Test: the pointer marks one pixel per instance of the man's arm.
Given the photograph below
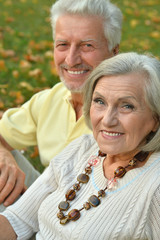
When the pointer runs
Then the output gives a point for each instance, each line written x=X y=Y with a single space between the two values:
x=6 y=230
x=11 y=176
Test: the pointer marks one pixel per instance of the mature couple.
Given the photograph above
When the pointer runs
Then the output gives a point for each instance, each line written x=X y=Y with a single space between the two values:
x=100 y=186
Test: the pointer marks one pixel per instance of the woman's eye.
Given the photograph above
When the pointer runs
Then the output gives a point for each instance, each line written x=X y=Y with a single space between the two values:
x=127 y=107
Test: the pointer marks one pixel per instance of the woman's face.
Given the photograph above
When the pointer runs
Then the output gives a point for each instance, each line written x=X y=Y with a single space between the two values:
x=120 y=117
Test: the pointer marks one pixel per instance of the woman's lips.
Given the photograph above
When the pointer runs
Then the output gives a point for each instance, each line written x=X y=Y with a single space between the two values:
x=111 y=134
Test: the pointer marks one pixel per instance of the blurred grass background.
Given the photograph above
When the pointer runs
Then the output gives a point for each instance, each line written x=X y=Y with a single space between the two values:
x=26 y=47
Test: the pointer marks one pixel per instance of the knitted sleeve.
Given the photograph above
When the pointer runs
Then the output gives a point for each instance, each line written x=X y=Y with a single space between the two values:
x=23 y=215
x=153 y=218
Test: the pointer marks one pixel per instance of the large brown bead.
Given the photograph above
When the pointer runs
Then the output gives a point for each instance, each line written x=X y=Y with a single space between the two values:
x=74 y=214
x=70 y=195
x=119 y=172
x=94 y=201
x=63 y=206
x=83 y=178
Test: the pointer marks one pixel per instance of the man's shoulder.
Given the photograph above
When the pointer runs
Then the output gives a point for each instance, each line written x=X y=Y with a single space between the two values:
x=57 y=93
x=57 y=89
x=60 y=89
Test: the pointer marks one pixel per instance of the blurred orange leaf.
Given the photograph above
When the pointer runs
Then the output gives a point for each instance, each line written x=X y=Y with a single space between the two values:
x=35 y=153
x=129 y=11
x=145 y=44
x=7 y=53
x=1 y=104
x=19 y=98
x=26 y=85
x=15 y=74
x=155 y=34
x=10 y=19
x=9 y=30
x=32 y=58
x=149 y=3
x=8 y=3
x=147 y=22
x=2 y=65
x=25 y=65
x=41 y=45
x=35 y=73
x=49 y=54
x=21 y=34
x=3 y=85
x=53 y=68
x=134 y=23
x=18 y=95
x=1 y=35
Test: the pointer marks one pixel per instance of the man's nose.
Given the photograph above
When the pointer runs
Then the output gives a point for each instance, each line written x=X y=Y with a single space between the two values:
x=73 y=57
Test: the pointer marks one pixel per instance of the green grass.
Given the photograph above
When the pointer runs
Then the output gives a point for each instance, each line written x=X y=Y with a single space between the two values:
x=24 y=29
x=141 y=27
x=26 y=32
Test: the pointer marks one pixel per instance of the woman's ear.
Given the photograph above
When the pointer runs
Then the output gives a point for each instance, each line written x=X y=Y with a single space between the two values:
x=116 y=50
x=156 y=125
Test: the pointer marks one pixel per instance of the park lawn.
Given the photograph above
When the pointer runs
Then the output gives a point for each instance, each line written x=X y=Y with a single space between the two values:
x=26 y=47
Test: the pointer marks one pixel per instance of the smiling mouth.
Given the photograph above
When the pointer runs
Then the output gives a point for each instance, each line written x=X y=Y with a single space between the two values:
x=77 y=72
x=112 y=134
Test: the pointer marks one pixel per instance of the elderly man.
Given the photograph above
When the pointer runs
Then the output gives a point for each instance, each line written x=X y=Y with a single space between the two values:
x=85 y=33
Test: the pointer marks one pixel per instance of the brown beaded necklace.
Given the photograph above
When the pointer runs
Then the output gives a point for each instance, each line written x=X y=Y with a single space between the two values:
x=93 y=200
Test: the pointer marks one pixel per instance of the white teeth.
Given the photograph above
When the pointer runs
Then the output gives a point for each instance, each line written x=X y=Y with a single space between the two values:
x=111 y=134
x=76 y=72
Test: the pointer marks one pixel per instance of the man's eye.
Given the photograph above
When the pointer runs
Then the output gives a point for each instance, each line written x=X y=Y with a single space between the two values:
x=87 y=47
x=61 y=46
x=98 y=101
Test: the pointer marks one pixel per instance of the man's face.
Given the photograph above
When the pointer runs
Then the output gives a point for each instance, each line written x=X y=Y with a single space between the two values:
x=80 y=45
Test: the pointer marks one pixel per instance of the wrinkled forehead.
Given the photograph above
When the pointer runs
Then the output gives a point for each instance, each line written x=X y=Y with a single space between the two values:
x=79 y=23
x=126 y=85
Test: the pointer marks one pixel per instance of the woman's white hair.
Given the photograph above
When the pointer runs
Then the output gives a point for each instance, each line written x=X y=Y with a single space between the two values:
x=125 y=63
x=111 y=15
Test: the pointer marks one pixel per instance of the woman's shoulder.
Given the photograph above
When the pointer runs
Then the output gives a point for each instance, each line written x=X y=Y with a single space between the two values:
x=152 y=168
x=79 y=146
x=154 y=160
x=76 y=152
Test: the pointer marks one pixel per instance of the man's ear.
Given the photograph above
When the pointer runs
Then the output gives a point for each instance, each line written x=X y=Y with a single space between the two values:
x=116 y=50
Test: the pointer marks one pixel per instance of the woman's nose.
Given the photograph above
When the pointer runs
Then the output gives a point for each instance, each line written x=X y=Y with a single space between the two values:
x=110 y=117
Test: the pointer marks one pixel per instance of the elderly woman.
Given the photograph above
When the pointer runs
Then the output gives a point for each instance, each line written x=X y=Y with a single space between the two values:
x=106 y=186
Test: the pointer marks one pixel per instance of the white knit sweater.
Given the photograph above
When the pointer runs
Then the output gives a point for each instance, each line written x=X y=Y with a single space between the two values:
x=130 y=212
